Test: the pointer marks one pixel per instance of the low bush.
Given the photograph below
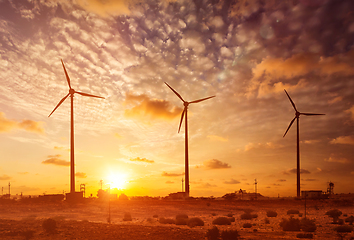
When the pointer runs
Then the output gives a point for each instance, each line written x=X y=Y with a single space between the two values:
x=304 y=235
x=247 y=225
x=221 y=221
x=246 y=216
x=292 y=212
x=229 y=215
x=213 y=234
x=181 y=221
x=155 y=216
x=254 y=215
x=213 y=214
x=182 y=216
x=230 y=235
x=49 y=225
x=307 y=225
x=350 y=220
x=232 y=219
x=266 y=221
x=334 y=213
x=127 y=217
x=167 y=221
x=291 y=224
x=192 y=222
x=149 y=220
x=343 y=229
x=272 y=214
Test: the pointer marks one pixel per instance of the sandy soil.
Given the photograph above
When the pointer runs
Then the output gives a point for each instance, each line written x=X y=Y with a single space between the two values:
x=89 y=220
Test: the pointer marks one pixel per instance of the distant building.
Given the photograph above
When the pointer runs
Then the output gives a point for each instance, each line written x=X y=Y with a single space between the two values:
x=177 y=195
x=313 y=194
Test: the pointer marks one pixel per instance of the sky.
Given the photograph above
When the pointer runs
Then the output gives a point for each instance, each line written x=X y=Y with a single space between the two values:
x=243 y=52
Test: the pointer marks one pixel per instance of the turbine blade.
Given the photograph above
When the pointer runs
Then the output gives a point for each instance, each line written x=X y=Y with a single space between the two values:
x=180 y=124
x=66 y=74
x=196 y=101
x=291 y=123
x=174 y=91
x=88 y=95
x=311 y=114
x=61 y=101
x=290 y=100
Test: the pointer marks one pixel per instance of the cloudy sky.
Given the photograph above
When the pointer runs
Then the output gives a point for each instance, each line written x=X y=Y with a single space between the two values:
x=244 y=52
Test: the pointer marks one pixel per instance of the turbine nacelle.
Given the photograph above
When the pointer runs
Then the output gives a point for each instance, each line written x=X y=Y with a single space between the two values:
x=71 y=91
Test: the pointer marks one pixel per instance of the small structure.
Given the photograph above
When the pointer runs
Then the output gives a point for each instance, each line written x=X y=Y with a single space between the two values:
x=313 y=194
x=177 y=195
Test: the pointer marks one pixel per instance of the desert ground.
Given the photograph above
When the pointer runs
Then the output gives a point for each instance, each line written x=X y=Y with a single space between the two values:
x=89 y=220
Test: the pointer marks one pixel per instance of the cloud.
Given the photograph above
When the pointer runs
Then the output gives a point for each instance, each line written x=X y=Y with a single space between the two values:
x=141 y=160
x=105 y=8
x=232 y=181
x=81 y=175
x=294 y=170
x=169 y=182
x=214 y=164
x=270 y=145
x=61 y=148
x=309 y=180
x=165 y=174
x=55 y=160
x=343 y=140
x=337 y=160
x=7 y=125
x=217 y=138
x=5 y=177
x=155 y=108
x=351 y=112
x=118 y=136
x=281 y=180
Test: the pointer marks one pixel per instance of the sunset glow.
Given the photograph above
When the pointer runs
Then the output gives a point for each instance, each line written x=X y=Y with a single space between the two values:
x=245 y=53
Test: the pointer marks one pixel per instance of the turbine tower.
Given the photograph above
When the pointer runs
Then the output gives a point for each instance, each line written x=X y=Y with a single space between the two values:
x=297 y=117
x=184 y=113
x=71 y=93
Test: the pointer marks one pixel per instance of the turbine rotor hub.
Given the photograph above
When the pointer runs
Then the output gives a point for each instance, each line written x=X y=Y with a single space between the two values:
x=71 y=91
x=186 y=104
x=297 y=114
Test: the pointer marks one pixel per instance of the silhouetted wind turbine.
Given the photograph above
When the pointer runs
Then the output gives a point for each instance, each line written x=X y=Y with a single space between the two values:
x=71 y=93
x=185 y=103
x=297 y=117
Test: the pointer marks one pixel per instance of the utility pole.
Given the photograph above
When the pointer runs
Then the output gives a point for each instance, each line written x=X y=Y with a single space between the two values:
x=9 y=189
x=182 y=184
x=255 y=188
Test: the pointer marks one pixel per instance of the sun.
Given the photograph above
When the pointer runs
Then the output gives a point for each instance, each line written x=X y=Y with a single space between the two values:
x=117 y=180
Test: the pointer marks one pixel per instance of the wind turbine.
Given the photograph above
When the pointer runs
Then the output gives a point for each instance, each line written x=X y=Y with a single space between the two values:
x=297 y=117
x=71 y=93
x=184 y=113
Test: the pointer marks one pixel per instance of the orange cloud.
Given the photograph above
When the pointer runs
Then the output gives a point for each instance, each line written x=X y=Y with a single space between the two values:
x=351 y=112
x=294 y=170
x=105 y=8
x=217 y=138
x=232 y=181
x=80 y=175
x=267 y=74
x=7 y=125
x=144 y=107
x=337 y=160
x=165 y=174
x=343 y=140
x=214 y=164
x=55 y=160
x=5 y=177
x=138 y=159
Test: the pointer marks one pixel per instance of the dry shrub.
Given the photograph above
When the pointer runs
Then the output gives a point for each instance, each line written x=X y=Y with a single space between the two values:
x=192 y=222
x=182 y=216
x=181 y=221
x=247 y=225
x=272 y=213
x=49 y=225
x=350 y=220
x=213 y=234
x=229 y=215
x=155 y=216
x=221 y=221
x=167 y=221
x=343 y=229
x=292 y=211
x=246 y=216
x=266 y=221
x=230 y=235
x=308 y=225
x=127 y=217
x=304 y=235
x=291 y=224
x=334 y=213
x=232 y=219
